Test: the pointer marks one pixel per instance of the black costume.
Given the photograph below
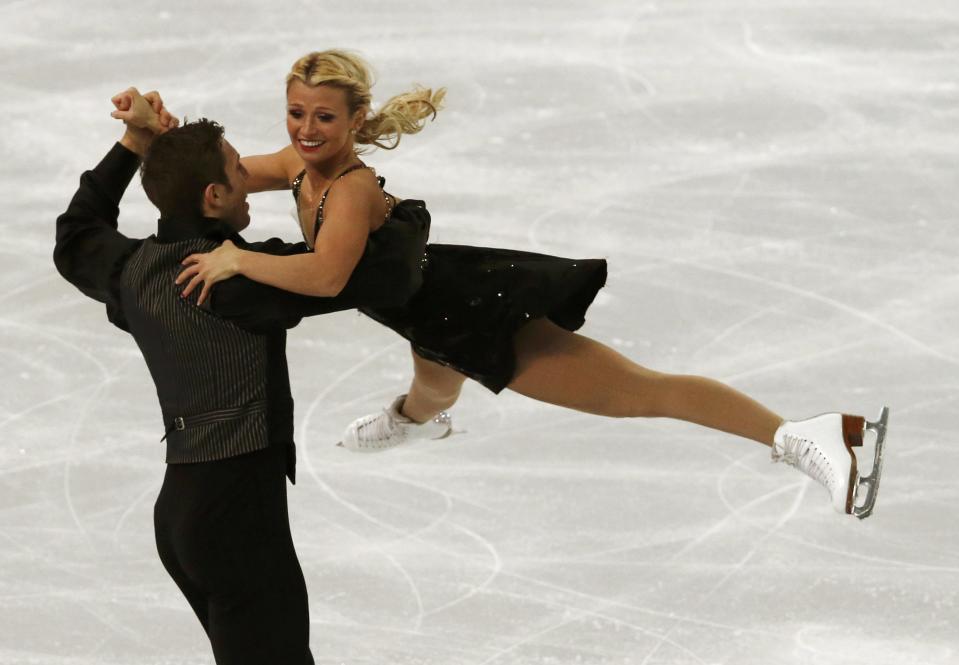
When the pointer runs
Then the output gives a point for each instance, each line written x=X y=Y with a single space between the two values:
x=474 y=299
x=221 y=376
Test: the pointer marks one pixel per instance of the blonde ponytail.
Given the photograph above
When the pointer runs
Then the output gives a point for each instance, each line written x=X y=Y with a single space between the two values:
x=403 y=114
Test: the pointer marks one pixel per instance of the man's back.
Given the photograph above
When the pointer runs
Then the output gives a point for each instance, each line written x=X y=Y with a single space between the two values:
x=212 y=377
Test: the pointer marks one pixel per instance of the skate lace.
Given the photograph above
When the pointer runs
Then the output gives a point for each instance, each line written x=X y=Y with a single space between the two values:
x=376 y=431
x=805 y=456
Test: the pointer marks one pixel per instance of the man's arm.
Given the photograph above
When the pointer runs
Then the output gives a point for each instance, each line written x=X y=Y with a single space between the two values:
x=89 y=250
x=388 y=274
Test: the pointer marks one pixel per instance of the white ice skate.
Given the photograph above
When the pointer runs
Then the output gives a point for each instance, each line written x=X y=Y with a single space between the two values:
x=390 y=428
x=821 y=447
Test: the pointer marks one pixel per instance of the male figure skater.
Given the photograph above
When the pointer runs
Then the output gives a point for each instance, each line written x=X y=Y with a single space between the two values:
x=220 y=370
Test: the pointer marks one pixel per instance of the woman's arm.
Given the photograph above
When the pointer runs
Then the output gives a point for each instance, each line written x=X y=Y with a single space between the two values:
x=323 y=272
x=273 y=171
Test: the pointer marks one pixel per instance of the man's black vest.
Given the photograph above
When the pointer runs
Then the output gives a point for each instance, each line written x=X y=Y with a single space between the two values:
x=211 y=376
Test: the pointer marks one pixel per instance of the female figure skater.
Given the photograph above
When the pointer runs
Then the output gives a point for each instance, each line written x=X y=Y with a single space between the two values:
x=505 y=318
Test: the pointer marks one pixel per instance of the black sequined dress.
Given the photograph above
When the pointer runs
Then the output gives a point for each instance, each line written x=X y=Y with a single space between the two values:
x=474 y=299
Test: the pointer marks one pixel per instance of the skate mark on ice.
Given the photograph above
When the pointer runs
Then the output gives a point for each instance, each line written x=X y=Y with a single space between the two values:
x=579 y=615
x=848 y=309
x=582 y=613
x=736 y=513
x=624 y=72
x=910 y=566
x=729 y=330
x=31 y=283
x=639 y=609
x=414 y=589
x=34 y=332
x=794 y=361
x=791 y=510
x=35 y=556
x=63 y=397
x=406 y=535
x=152 y=488
x=72 y=444
x=750 y=44
x=495 y=569
x=92 y=608
x=448 y=497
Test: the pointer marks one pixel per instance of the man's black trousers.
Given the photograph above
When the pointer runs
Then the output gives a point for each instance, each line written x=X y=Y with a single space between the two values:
x=223 y=534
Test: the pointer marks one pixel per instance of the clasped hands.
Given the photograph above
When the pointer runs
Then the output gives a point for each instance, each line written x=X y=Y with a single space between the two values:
x=145 y=116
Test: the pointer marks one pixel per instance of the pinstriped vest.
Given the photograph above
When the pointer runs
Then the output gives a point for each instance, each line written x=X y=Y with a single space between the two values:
x=210 y=374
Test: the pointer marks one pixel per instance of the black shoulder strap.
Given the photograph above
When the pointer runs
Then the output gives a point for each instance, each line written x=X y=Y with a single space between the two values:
x=297 y=184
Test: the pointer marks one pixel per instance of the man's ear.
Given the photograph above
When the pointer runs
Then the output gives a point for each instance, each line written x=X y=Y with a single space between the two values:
x=211 y=199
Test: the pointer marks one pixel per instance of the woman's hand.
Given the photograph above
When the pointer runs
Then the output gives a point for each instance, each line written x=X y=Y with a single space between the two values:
x=143 y=111
x=208 y=269
x=144 y=117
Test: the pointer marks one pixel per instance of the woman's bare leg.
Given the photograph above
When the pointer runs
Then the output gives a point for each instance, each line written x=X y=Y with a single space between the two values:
x=570 y=370
x=434 y=388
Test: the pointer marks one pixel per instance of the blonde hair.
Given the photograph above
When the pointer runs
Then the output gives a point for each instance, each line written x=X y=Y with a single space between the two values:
x=403 y=114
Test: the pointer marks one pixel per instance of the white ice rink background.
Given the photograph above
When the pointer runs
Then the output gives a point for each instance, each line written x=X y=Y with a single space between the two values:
x=775 y=186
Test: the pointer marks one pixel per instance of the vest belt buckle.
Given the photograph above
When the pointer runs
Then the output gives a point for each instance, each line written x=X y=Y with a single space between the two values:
x=179 y=424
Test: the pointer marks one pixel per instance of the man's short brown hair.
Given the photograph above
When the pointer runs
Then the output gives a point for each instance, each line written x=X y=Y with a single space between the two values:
x=180 y=164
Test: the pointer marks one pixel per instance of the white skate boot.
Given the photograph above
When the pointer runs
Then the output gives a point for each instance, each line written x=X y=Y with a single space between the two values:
x=390 y=428
x=821 y=447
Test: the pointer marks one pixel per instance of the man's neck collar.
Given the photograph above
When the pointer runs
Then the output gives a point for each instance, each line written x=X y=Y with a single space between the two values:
x=177 y=228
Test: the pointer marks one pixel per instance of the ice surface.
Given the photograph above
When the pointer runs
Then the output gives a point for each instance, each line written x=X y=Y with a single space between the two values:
x=774 y=184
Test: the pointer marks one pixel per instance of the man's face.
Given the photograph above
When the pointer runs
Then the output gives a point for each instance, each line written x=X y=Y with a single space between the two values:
x=232 y=207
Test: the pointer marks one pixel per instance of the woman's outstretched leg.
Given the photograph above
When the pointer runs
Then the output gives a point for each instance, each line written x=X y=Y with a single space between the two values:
x=570 y=370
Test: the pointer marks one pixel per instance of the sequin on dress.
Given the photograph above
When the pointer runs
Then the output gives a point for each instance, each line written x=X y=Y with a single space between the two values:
x=474 y=299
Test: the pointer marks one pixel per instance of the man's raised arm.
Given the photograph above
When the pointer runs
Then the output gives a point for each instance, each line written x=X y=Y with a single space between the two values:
x=89 y=250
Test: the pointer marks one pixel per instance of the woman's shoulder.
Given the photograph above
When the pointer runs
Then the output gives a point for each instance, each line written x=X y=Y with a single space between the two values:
x=356 y=185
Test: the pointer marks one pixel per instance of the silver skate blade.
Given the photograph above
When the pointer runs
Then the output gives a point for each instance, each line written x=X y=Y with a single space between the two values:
x=870 y=484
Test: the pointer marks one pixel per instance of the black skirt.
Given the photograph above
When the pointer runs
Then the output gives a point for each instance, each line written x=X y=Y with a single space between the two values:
x=474 y=300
